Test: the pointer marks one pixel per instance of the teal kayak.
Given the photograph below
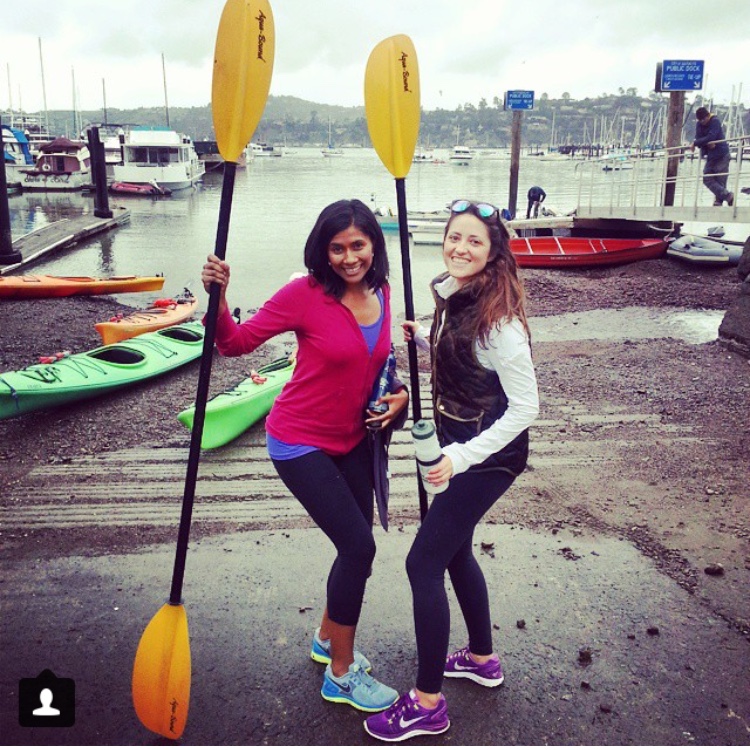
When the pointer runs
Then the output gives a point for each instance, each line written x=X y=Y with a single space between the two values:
x=230 y=413
x=81 y=376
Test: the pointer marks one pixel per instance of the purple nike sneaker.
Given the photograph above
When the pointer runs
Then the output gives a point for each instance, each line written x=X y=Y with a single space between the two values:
x=406 y=718
x=460 y=664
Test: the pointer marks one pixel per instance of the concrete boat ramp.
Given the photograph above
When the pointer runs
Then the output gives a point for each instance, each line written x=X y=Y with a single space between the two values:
x=599 y=646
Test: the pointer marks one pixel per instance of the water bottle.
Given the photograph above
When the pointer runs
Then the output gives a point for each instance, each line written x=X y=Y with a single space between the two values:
x=383 y=385
x=428 y=452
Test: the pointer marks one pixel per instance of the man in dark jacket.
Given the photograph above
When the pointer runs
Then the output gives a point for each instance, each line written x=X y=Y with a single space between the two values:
x=709 y=137
x=536 y=197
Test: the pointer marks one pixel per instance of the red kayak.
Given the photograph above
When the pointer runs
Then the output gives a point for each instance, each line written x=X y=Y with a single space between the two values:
x=138 y=188
x=578 y=252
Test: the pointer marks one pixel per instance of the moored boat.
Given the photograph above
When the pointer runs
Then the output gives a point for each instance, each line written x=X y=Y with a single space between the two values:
x=69 y=378
x=67 y=286
x=162 y=314
x=330 y=150
x=259 y=150
x=704 y=251
x=158 y=155
x=461 y=155
x=62 y=164
x=232 y=412
x=16 y=154
x=579 y=252
x=131 y=188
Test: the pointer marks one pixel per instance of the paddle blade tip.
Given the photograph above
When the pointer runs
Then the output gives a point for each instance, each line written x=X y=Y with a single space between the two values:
x=161 y=673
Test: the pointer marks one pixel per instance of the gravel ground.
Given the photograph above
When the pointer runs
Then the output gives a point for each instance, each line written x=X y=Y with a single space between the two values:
x=676 y=411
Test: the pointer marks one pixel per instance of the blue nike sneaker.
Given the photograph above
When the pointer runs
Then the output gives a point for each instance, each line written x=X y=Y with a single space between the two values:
x=358 y=689
x=321 y=653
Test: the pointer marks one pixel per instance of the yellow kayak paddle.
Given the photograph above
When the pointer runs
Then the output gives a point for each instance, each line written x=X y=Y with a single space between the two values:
x=243 y=64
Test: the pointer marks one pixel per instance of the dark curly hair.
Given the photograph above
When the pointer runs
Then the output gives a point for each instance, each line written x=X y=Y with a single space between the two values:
x=336 y=218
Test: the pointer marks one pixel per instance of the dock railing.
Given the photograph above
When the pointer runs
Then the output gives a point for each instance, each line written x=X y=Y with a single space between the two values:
x=633 y=185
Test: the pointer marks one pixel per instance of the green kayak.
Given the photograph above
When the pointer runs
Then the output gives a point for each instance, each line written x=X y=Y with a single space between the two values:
x=80 y=376
x=230 y=413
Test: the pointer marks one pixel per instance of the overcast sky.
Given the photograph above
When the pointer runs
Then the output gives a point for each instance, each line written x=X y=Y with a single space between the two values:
x=466 y=50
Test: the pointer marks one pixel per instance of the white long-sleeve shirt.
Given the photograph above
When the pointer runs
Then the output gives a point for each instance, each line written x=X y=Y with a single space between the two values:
x=508 y=353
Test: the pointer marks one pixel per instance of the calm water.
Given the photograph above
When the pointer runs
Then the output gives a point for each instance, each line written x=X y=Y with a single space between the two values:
x=276 y=202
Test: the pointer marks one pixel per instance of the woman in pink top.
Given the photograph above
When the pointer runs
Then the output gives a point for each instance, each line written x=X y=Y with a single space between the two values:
x=317 y=429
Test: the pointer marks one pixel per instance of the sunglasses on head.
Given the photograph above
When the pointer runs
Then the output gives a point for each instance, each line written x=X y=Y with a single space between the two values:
x=485 y=210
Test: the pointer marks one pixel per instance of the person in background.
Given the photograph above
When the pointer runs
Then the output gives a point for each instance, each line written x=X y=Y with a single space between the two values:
x=485 y=398
x=317 y=428
x=535 y=197
x=709 y=138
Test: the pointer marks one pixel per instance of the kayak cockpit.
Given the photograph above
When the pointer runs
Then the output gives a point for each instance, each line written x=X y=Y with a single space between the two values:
x=178 y=333
x=118 y=355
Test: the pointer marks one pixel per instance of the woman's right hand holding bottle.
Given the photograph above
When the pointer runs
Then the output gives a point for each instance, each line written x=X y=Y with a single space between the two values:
x=410 y=329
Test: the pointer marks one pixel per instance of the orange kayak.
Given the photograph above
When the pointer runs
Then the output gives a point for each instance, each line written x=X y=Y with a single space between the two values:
x=66 y=286
x=164 y=313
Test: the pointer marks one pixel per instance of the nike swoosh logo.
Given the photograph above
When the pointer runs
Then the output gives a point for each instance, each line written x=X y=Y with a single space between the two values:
x=464 y=669
x=343 y=688
x=403 y=724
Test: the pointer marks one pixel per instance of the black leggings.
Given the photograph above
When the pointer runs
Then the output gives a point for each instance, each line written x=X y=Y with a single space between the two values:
x=444 y=542
x=337 y=492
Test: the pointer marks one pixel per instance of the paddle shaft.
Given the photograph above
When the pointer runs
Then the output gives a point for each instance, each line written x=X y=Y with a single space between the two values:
x=204 y=379
x=411 y=347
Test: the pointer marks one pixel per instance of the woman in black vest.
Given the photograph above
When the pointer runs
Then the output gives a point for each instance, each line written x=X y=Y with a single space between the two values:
x=485 y=397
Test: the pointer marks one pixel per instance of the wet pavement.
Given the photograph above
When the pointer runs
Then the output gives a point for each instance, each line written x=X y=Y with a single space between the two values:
x=598 y=646
x=692 y=326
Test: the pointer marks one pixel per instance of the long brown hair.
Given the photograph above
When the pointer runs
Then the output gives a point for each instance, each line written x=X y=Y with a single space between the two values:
x=498 y=288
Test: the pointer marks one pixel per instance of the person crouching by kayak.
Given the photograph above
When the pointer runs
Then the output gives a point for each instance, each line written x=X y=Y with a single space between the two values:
x=485 y=398
x=317 y=429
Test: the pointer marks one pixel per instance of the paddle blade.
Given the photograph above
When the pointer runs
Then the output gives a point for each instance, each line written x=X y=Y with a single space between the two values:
x=161 y=674
x=392 y=102
x=243 y=63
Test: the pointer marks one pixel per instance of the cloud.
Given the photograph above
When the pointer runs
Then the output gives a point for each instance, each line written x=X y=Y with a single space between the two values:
x=466 y=51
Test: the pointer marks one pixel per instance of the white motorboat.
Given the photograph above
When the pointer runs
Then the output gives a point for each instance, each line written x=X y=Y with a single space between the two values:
x=158 y=154
x=16 y=154
x=425 y=157
x=461 y=156
x=112 y=137
x=261 y=150
x=62 y=164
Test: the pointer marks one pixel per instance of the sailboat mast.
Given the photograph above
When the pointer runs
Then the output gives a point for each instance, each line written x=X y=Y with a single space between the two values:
x=104 y=100
x=10 y=94
x=44 y=88
x=75 y=116
x=164 y=75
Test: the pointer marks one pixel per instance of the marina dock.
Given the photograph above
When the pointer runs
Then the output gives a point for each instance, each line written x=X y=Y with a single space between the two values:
x=60 y=235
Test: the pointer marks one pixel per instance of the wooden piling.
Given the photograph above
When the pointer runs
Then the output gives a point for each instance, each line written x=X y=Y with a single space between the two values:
x=674 y=140
x=515 y=157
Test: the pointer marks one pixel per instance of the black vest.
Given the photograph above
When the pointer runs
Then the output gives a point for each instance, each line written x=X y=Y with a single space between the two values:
x=467 y=398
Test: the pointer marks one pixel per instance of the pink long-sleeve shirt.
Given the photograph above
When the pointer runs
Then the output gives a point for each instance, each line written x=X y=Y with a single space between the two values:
x=324 y=402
